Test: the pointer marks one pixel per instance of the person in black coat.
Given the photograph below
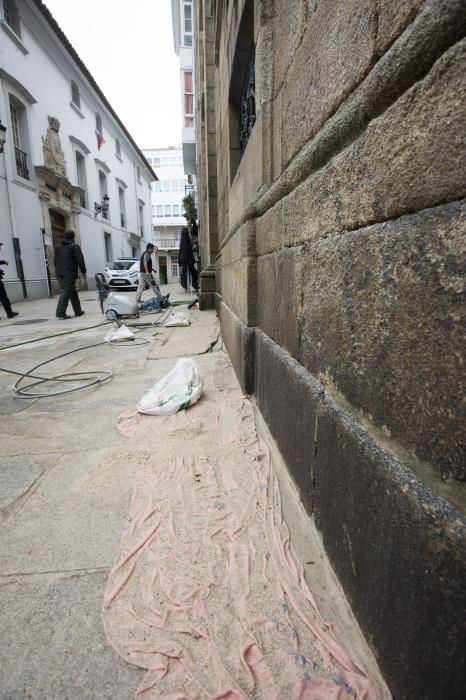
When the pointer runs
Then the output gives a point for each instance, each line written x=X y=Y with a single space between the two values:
x=68 y=261
x=186 y=261
x=3 y=295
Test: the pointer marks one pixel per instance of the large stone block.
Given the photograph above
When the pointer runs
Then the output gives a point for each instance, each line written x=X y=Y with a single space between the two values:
x=409 y=158
x=289 y=24
x=335 y=54
x=393 y=17
x=398 y=549
x=269 y=230
x=279 y=297
x=383 y=322
x=240 y=344
x=287 y=397
x=400 y=554
x=238 y=287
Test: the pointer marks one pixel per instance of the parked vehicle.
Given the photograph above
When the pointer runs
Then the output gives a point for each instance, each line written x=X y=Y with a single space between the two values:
x=123 y=274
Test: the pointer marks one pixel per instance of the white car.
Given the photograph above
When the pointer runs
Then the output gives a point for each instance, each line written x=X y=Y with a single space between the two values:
x=123 y=273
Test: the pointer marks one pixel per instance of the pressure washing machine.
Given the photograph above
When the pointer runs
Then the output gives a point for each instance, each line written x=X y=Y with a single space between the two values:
x=113 y=305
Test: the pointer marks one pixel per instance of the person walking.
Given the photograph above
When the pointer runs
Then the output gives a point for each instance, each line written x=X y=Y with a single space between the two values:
x=68 y=261
x=145 y=274
x=3 y=295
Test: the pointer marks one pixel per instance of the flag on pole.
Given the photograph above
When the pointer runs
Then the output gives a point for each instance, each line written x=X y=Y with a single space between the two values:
x=100 y=140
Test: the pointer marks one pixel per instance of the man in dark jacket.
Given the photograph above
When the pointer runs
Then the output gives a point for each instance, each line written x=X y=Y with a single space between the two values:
x=68 y=261
x=186 y=262
x=3 y=295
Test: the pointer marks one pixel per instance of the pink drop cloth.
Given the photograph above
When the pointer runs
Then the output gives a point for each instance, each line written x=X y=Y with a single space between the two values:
x=206 y=593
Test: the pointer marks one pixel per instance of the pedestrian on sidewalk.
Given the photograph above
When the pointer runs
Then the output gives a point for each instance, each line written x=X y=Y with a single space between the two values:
x=3 y=295
x=68 y=261
x=145 y=274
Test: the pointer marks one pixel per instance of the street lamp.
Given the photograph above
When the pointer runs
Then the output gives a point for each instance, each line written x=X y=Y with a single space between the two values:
x=2 y=136
x=102 y=208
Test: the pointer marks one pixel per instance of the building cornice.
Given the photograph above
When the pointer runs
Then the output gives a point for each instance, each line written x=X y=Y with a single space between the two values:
x=101 y=164
x=17 y=86
x=80 y=145
x=54 y=26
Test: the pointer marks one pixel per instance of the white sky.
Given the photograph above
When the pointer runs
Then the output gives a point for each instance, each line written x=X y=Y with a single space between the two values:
x=128 y=48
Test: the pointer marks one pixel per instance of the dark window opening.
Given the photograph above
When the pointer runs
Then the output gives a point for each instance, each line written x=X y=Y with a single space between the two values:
x=242 y=95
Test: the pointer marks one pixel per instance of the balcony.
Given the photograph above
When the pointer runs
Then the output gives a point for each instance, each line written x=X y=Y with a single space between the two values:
x=21 y=163
x=166 y=243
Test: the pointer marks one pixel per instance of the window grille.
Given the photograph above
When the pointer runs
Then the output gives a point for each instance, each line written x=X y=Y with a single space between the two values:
x=248 y=101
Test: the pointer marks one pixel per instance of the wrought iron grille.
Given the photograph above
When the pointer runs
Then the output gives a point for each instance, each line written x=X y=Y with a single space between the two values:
x=21 y=163
x=248 y=101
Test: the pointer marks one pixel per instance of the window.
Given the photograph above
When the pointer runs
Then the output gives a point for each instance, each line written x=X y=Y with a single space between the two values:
x=181 y=186
x=20 y=136
x=176 y=210
x=121 y=199
x=165 y=161
x=156 y=162
x=157 y=186
x=98 y=123
x=159 y=210
x=11 y=16
x=81 y=177
x=138 y=173
x=75 y=96
x=173 y=160
x=174 y=261
x=174 y=185
x=188 y=103
x=165 y=185
x=242 y=90
x=167 y=210
x=103 y=192
x=108 y=247
x=187 y=24
x=141 y=218
x=118 y=148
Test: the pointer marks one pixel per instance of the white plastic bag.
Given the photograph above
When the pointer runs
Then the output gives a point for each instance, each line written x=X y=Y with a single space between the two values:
x=121 y=333
x=178 y=319
x=177 y=391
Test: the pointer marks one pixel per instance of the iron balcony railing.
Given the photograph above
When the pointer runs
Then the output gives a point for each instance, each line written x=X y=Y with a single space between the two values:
x=21 y=163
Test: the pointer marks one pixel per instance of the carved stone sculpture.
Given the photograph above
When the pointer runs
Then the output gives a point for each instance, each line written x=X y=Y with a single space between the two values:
x=54 y=158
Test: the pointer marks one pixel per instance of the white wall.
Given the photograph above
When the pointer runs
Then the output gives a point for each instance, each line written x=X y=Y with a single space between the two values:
x=44 y=69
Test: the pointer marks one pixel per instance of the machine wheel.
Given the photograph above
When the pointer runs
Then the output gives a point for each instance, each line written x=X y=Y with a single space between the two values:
x=111 y=315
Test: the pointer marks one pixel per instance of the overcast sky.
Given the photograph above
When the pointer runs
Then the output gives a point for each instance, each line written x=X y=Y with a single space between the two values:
x=128 y=48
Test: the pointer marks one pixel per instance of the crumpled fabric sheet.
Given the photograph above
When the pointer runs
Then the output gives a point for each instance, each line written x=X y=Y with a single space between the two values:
x=206 y=592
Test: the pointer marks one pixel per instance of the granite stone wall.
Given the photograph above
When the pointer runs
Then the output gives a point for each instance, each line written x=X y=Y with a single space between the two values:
x=340 y=274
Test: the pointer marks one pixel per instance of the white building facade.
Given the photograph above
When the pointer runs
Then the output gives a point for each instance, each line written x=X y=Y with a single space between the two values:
x=68 y=161
x=167 y=209
x=183 y=39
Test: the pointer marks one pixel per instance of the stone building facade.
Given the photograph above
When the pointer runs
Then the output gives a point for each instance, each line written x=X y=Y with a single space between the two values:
x=330 y=138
